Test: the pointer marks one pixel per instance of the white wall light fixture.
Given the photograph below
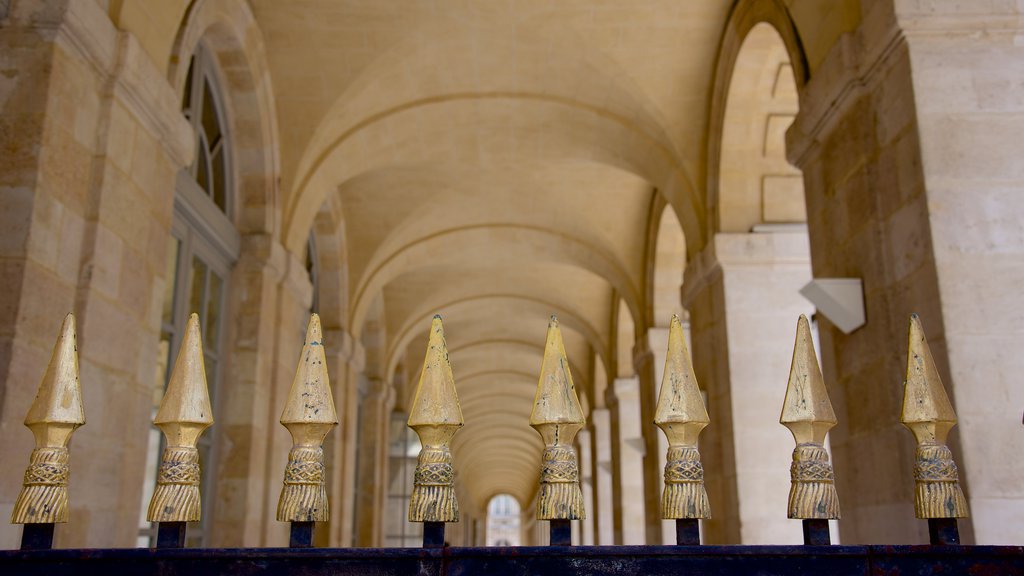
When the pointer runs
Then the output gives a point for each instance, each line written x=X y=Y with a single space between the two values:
x=841 y=300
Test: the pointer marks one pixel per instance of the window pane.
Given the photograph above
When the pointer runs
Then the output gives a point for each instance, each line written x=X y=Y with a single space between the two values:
x=186 y=96
x=219 y=186
x=154 y=436
x=202 y=166
x=170 y=280
x=212 y=318
x=196 y=294
x=211 y=124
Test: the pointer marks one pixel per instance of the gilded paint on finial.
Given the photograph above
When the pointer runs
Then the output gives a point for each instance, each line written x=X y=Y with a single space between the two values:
x=557 y=416
x=309 y=415
x=184 y=414
x=435 y=417
x=808 y=414
x=54 y=415
x=928 y=413
x=681 y=415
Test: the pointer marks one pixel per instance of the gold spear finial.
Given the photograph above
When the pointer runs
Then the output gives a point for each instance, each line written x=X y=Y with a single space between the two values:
x=808 y=414
x=557 y=416
x=435 y=417
x=309 y=415
x=54 y=415
x=681 y=415
x=184 y=414
x=929 y=415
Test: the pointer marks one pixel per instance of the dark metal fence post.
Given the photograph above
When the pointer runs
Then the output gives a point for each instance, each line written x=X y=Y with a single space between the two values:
x=561 y=533
x=37 y=536
x=943 y=531
x=687 y=532
x=433 y=534
x=816 y=533
x=301 y=535
x=171 y=534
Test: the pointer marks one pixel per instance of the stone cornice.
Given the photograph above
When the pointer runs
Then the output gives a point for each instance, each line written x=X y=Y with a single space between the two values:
x=342 y=344
x=86 y=32
x=727 y=250
x=856 y=63
x=852 y=67
x=955 y=19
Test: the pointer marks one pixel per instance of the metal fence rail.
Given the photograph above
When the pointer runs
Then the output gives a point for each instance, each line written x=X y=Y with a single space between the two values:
x=540 y=561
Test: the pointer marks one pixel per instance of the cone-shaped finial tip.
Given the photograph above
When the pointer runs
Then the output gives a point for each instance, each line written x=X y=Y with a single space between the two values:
x=314 y=333
x=680 y=405
x=310 y=400
x=928 y=413
x=924 y=397
x=436 y=402
x=555 y=400
x=435 y=416
x=187 y=398
x=59 y=398
x=806 y=411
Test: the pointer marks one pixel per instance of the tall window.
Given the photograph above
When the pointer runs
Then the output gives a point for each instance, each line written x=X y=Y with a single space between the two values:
x=204 y=244
x=313 y=269
x=503 y=516
x=201 y=106
x=402 y=454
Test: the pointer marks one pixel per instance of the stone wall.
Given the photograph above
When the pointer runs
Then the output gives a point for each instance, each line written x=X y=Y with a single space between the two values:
x=96 y=141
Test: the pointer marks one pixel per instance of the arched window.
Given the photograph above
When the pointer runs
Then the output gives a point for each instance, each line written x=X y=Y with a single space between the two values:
x=201 y=105
x=201 y=251
x=503 y=517
x=313 y=269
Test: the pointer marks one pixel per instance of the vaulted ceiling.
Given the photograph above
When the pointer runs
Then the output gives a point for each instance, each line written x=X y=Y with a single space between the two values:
x=495 y=162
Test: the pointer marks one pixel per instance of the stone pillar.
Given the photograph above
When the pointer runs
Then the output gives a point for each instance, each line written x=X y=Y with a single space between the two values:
x=247 y=413
x=288 y=321
x=743 y=296
x=646 y=376
x=372 y=481
x=586 y=527
x=631 y=460
x=907 y=218
x=346 y=359
x=967 y=64
x=604 y=506
x=650 y=363
x=92 y=139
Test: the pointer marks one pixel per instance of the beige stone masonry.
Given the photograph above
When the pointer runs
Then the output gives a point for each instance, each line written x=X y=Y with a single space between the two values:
x=968 y=75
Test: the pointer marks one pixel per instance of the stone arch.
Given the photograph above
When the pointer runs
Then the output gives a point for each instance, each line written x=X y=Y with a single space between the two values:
x=416 y=325
x=749 y=302
x=332 y=259
x=666 y=261
x=744 y=17
x=594 y=115
x=229 y=30
x=523 y=242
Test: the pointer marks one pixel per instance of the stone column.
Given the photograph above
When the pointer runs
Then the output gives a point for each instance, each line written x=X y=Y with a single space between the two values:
x=586 y=527
x=650 y=363
x=967 y=64
x=247 y=413
x=906 y=139
x=371 y=484
x=92 y=138
x=631 y=460
x=743 y=296
x=604 y=517
x=287 y=323
x=346 y=360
